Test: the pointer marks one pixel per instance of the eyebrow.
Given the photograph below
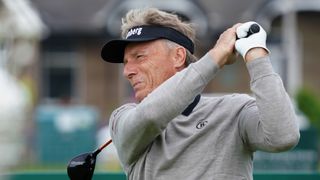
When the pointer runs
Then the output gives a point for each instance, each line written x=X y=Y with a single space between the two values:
x=134 y=54
x=139 y=51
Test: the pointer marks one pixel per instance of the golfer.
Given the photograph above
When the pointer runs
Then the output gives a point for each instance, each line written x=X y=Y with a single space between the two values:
x=174 y=133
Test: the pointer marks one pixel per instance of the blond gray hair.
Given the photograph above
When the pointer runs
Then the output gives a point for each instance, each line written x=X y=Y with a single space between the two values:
x=153 y=16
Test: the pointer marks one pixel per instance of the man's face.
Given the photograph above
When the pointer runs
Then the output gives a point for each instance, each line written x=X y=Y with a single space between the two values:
x=147 y=65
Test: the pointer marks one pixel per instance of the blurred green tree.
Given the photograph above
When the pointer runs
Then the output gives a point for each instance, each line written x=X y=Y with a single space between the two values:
x=309 y=103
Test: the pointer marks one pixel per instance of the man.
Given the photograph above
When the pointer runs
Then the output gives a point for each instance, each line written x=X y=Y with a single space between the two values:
x=173 y=132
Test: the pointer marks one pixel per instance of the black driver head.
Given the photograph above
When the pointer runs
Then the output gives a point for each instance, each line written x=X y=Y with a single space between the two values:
x=82 y=167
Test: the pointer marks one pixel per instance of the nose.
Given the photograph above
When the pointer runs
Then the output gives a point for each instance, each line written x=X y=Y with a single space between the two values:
x=130 y=69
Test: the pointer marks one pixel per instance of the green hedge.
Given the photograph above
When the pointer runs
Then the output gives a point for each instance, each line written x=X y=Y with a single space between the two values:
x=120 y=176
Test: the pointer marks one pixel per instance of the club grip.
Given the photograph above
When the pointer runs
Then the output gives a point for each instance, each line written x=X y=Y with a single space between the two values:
x=254 y=28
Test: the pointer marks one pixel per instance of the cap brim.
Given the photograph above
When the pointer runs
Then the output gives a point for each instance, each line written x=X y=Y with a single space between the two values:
x=113 y=51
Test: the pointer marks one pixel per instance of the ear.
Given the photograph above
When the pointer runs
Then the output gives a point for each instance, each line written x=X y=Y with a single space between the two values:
x=180 y=58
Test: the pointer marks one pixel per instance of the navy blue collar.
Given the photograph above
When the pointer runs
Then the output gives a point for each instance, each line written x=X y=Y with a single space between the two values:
x=191 y=106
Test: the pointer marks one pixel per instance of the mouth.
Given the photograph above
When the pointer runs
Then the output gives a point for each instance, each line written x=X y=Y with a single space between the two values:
x=136 y=85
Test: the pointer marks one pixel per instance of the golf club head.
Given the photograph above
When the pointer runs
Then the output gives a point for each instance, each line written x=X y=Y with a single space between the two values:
x=82 y=167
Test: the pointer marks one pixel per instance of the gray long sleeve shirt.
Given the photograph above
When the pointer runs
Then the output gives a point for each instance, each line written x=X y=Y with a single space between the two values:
x=155 y=141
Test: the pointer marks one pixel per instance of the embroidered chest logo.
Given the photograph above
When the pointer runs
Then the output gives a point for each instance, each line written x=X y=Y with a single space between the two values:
x=136 y=31
x=201 y=124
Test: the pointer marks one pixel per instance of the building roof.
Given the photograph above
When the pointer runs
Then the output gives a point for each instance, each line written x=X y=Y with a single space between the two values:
x=92 y=16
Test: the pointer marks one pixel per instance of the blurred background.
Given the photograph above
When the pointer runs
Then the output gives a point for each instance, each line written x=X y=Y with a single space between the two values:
x=56 y=93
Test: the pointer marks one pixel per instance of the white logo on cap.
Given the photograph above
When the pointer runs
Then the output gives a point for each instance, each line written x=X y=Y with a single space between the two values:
x=136 y=31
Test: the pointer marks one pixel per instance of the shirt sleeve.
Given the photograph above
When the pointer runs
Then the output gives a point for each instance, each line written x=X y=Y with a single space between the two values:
x=269 y=123
x=134 y=127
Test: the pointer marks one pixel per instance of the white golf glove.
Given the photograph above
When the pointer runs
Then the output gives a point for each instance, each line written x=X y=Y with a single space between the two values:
x=244 y=43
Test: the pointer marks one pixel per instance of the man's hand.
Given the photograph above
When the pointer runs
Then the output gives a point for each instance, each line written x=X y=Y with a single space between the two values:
x=253 y=46
x=223 y=51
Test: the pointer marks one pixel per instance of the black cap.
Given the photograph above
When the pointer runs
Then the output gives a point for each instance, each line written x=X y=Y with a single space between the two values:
x=113 y=51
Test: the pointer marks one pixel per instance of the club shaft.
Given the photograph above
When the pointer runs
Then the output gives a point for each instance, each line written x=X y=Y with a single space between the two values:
x=96 y=152
x=105 y=145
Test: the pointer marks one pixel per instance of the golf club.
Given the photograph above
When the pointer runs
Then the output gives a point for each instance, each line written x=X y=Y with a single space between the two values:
x=82 y=166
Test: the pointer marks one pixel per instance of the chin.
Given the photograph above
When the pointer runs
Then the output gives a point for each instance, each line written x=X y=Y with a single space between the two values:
x=140 y=97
